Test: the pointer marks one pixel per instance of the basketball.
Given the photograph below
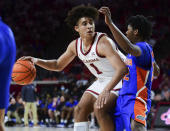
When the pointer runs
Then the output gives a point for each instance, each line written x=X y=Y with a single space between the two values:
x=24 y=72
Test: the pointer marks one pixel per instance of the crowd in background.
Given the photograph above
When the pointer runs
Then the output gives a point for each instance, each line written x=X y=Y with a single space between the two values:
x=55 y=104
x=40 y=31
x=41 y=23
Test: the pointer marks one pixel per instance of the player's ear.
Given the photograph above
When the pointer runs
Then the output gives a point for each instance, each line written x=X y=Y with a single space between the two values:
x=136 y=31
x=76 y=28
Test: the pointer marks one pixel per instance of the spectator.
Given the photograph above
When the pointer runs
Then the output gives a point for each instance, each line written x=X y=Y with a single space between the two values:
x=165 y=93
x=20 y=108
x=52 y=112
x=29 y=99
x=67 y=111
x=42 y=110
x=12 y=111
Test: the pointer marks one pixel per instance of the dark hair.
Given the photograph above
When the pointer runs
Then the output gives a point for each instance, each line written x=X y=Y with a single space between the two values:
x=143 y=25
x=81 y=11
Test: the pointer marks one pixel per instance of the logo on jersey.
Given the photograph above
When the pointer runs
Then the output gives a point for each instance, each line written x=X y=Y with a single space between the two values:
x=140 y=117
x=128 y=62
x=93 y=54
x=90 y=60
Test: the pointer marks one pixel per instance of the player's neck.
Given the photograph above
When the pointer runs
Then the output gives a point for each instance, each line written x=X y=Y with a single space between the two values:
x=87 y=41
x=138 y=40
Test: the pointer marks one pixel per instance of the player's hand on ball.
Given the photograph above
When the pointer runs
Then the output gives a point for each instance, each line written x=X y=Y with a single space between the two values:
x=106 y=12
x=102 y=99
x=24 y=72
x=30 y=58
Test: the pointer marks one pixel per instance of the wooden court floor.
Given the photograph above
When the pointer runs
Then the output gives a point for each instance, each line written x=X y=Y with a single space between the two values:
x=40 y=129
x=55 y=129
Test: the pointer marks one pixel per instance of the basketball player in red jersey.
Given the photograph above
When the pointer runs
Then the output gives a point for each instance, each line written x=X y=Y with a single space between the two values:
x=102 y=58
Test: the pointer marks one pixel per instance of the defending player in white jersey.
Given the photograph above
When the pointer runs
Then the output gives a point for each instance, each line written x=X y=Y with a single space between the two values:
x=99 y=54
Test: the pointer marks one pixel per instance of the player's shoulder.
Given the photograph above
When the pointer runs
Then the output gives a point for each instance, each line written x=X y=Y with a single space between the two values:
x=103 y=37
x=72 y=46
x=144 y=46
x=106 y=41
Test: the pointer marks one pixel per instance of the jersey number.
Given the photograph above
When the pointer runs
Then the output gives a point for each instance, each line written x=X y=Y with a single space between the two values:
x=97 y=70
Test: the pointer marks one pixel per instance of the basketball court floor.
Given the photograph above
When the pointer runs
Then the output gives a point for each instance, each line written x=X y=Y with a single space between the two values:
x=56 y=129
x=40 y=129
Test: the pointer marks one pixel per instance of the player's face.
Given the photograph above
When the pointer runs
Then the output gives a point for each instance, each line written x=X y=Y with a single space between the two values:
x=85 y=27
x=130 y=33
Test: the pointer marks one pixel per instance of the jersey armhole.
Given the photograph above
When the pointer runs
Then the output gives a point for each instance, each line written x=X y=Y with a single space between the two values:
x=97 y=44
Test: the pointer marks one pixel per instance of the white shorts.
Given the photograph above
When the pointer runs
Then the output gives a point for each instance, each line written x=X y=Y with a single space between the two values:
x=98 y=86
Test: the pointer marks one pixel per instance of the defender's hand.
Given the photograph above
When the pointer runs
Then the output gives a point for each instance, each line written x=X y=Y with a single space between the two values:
x=106 y=12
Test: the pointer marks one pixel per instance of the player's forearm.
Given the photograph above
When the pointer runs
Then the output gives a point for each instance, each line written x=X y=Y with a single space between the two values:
x=120 y=38
x=47 y=64
x=118 y=75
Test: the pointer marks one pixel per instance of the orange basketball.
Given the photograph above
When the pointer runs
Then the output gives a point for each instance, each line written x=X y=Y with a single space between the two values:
x=24 y=72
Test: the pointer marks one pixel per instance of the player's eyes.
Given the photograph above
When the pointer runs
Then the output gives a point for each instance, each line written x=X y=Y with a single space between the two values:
x=84 y=23
x=91 y=23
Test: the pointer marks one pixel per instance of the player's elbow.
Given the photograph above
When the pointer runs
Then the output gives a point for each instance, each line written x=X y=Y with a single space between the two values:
x=58 y=69
x=124 y=70
x=55 y=66
x=132 y=50
x=127 y=49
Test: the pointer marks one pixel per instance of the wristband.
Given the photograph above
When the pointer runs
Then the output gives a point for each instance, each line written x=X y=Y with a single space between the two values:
x=35 y=60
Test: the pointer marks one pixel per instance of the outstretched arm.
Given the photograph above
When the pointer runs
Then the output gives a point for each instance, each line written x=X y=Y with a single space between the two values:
x=55 y=65
x=120 y=38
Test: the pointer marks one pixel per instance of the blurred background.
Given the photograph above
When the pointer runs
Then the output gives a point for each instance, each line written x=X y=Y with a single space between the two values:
x=40 y=31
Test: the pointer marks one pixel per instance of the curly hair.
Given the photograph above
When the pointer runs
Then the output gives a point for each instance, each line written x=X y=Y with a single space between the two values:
x=81 y=11
x=143 y=25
